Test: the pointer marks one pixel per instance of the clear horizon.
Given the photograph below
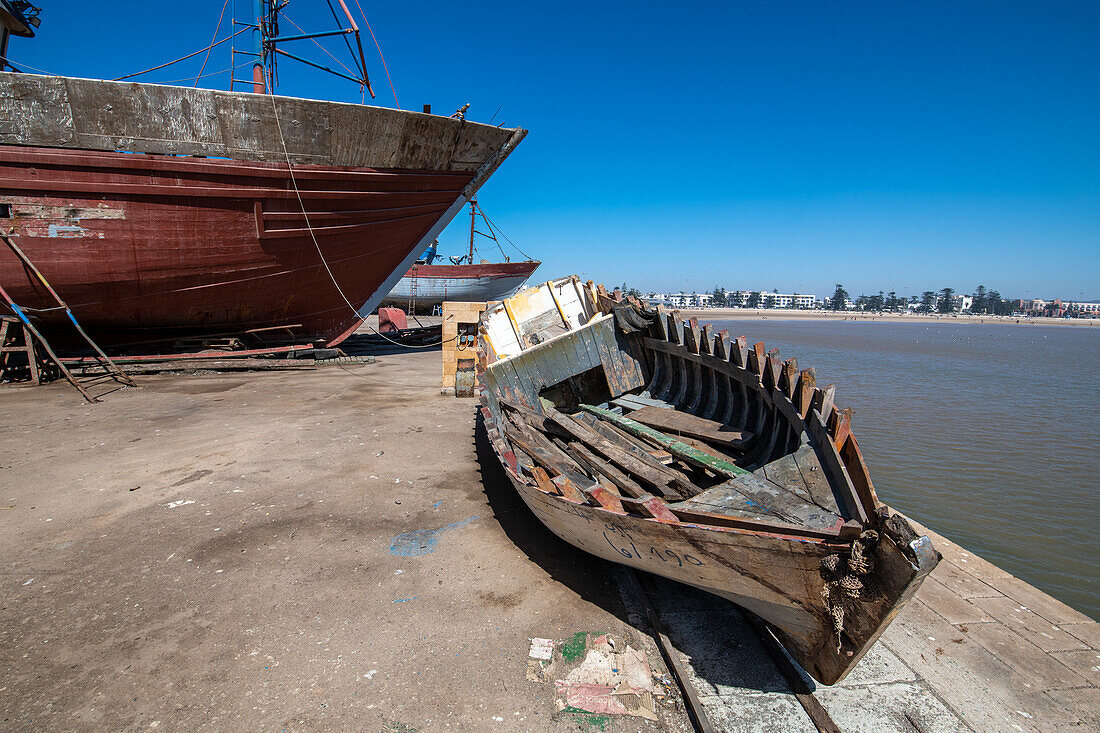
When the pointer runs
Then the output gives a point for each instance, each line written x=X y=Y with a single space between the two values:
x=793 y=144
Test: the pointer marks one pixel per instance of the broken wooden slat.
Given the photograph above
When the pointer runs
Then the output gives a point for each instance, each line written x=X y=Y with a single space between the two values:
x=675 y=447
x=823 y=401
x=601 y=468
x=804 y=394
x=660 y=477
x=643 y=451
x=650 y=506
x=682 y=423
x=840 y=426
x=605 y=498
x=857 y=471
x=569 y=489
x=543 y=480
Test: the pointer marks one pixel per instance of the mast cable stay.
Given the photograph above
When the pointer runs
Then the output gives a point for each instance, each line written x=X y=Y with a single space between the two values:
x=316 y=244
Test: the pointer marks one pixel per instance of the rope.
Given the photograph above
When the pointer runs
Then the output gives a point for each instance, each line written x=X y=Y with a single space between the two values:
x=384 y=67
x=182 y=58
x=318 y=44
x=207 y=75
x=313 y=236
x=302 y=205
x=842 y=584
x=492 y=225
x=25 y=66
x=217 y=29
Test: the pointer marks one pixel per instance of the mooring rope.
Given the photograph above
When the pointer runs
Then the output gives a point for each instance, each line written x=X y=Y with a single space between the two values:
x=317 y=245
x=842 y=579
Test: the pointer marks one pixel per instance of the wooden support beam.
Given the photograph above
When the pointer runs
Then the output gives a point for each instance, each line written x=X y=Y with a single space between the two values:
x=600 y=468
x=675 y=447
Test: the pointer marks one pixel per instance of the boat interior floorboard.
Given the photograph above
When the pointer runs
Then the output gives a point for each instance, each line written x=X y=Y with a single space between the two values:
x=752 y=496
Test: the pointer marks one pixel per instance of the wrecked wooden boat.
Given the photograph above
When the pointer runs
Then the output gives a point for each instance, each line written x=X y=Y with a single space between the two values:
x=657 y=443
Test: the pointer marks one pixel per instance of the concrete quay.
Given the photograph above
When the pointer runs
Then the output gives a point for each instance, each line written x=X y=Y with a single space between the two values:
x=338 y=549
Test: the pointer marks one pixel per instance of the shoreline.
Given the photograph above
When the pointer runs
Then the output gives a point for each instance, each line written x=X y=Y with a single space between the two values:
x=787 y=314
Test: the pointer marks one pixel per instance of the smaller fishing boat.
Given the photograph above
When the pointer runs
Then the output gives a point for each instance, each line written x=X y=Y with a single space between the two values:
x=427 y=284
x=659 y=444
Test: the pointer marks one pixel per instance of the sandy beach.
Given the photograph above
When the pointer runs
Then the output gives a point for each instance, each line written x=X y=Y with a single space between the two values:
x=785 y=314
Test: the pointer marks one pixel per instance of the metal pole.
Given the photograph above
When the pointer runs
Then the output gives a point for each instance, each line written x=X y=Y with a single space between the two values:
x=259 y=8
x=473 y=222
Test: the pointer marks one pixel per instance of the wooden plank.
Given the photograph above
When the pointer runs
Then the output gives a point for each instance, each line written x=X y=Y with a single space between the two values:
x=643 y=451
x=605 y=498
x=675 y=447
x=543 y=480
x=823 y=401
x=853 y=507
x=569 y=489
x=857 y=471
x=599 y=467
x=672 y=658
x=682 y=423
x=643 y=401
x=802 y=692
x=659 y=476
x=840 y=426
x=696 y=516
x=804 y=395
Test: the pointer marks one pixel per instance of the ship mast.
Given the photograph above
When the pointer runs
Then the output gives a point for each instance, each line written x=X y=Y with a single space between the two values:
x=16 y=18
x=265 y=50
x=473 y=224
x=261 y=9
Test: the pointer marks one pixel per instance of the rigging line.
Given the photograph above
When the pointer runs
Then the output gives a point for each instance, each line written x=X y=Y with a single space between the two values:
x=318 y=44
x=25 y=66
x=384 y=67
x=183 y=58
x=313 y=236
x=294 y=181
x=316 y=244
x=362 y=72
x=217 y=30
x=493 y=226
x=205 y=76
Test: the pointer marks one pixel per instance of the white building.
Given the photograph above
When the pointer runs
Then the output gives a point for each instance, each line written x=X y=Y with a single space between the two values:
x=740 y=298
x=689 y=300
x=1088 y=308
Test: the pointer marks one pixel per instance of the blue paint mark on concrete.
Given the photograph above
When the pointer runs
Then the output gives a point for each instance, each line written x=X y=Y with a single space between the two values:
x=422 y=541
x=437 y=505
x=404 y=600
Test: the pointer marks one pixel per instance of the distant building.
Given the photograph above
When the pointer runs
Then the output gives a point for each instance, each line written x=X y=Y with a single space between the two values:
x=1082 y=309
x=963 y=302
x=689 y=300
x=740 y=299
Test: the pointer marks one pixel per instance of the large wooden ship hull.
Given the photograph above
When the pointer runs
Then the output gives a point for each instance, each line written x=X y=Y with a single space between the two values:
x=160 y=212
x=427 y=285
x=753 y=488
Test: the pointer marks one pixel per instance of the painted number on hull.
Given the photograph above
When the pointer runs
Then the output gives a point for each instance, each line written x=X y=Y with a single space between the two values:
x=632 y=553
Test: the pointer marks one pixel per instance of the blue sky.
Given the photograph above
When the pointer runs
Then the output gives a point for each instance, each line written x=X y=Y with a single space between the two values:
x=787 y=145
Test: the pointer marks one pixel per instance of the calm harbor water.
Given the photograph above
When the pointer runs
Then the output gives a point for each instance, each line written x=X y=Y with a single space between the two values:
x=989 y=434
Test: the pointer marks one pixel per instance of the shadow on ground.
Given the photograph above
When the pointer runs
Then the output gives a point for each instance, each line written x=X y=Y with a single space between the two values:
x=721 y=646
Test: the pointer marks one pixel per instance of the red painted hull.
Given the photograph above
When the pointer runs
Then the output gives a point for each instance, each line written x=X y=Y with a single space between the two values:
x=150 y=247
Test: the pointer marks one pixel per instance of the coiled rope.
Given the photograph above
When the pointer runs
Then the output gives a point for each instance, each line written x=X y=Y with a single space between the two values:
x=842 y=579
